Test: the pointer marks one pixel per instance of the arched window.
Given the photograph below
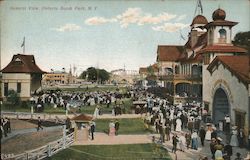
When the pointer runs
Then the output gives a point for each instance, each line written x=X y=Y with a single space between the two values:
x=223 y=35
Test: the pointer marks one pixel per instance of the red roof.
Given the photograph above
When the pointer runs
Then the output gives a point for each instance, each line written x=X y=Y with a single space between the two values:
x=199 y=19
x=221 y=23
x=222 y=49
x=169 y=53
x=196 y=59
x=21 y=63
x=239 y=65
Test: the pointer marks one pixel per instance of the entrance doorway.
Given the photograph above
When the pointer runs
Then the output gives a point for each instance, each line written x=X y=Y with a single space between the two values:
x=221 y=105
x=240 y=119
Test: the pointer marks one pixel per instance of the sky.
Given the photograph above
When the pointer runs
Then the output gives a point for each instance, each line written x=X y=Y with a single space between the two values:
x=100 y=33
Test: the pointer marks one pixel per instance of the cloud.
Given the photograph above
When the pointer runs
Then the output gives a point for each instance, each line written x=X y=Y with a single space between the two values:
x=170 y=27
x=68 y=28
x=149 y=19
x=181 y=17
x=130 y=16
x=98 y=20
x=137 y=17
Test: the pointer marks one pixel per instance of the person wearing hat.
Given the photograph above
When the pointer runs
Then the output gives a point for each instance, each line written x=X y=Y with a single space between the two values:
x=241 y=137
x=228 y=150
x=194 y=137
x=202 y=134
x=212 y=147
x=174 y=141
x=227 y=125
x=234 y=139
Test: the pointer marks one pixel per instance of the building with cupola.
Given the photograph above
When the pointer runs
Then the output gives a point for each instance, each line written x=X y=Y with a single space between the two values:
x=209 y=69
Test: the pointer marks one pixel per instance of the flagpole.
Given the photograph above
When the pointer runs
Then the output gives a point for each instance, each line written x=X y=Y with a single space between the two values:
x=24 y=46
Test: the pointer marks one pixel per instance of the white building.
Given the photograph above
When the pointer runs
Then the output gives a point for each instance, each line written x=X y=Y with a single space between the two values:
x=225 y=73
x=22 y=75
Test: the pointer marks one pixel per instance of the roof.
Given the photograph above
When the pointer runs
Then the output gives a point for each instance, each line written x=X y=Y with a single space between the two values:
x=199 y=19
x=143 y=70
x=194 y=59
x=238 y=65
x=222 y=49
x=202 y=40
x=169 y=52
x=82 y=118
x=219 y=14
x=221 y=23
x=21 y=63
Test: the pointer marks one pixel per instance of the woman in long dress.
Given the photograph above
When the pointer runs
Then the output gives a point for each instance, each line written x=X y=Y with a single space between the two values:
x=208 y=133
x=178 y=125
x=96 y=112
x=234 y=139
x=111 y=128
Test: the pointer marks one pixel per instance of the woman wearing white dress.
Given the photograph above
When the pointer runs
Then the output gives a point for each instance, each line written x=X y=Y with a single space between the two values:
x=234 y=139
x=208 y=133
x=178 y=125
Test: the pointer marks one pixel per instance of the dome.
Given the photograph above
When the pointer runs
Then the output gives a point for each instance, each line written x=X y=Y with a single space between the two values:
x=199 y=19
x=219 y=14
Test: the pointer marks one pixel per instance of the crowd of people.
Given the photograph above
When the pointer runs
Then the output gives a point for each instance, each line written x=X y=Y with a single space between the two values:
x=188 y=127
x=69 y=100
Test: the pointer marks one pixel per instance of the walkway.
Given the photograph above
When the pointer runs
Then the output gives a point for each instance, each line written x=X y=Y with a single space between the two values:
x=29 y=130
x=104 y=139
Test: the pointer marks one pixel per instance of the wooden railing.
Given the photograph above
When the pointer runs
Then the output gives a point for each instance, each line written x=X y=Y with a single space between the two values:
x=45 y=151
x=27 y=115
x=180 y=77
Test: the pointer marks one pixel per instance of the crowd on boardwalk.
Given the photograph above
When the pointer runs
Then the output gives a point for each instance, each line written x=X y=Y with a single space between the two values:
x=188 y=127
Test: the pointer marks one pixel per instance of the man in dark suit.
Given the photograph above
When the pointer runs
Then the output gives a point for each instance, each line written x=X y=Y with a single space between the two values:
x=92 y=130
x=175 y=141
x=117 y=125
x=202 y=134
x=39 y=124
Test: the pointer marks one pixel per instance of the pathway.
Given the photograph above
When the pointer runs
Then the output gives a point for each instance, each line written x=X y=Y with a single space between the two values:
x=29 y=130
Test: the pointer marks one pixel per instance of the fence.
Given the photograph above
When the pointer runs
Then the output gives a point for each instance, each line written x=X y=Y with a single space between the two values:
x=45 y=151
x=27 y=115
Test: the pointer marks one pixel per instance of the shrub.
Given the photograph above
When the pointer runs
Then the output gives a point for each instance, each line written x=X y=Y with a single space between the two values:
x=13 y=98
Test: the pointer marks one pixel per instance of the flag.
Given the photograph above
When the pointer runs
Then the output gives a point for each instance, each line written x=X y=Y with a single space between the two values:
x=23 y=42
x=200 y=6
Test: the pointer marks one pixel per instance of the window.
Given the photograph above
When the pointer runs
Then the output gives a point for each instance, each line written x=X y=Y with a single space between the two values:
x=18 y=88
x=6 y=89
x=223 y=36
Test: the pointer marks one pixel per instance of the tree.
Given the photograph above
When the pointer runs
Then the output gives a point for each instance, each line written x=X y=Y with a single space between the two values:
x=242 y=39
x=96 y=75
x=13 y=98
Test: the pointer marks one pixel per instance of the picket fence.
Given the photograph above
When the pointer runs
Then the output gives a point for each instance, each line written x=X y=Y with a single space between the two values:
x=46 y=150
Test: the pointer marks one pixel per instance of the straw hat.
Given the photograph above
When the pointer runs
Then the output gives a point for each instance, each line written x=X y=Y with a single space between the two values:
x=218 y=138
x=234 y=127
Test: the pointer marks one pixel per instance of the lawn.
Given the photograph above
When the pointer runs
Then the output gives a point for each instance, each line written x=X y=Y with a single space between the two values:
x=84 y=109
x=127 y=126
x=21 y=143
x=109 y=152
